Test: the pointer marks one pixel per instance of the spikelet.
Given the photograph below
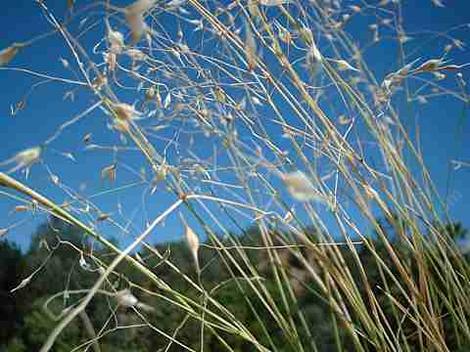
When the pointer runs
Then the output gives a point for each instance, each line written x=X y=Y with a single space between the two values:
x=343 y=65
x=288 y=217
x=102 y=217
x=140 y=6
x=150 y=94
x=21 y=208
x=87 y=138
x=23 y=283
x=283 y=34
x=395 y=78
x=111 y=61
x=27 y=158
x=3 y=232
x=438 y=3
x=192 y=240
x=375 y=32
x=109 y=172
x=175 y=4
x=430 y=65
x=125 y=112
x=136 y=54
x=299 y=186
x=344 y=120
x=99 y=82
x=126 y=299
x=7 y=54
x=313 y=58
x=250 y=47
x=135 y=18
x=273 y=2
x=116 y=41
x=355 y=8
x=55 y=179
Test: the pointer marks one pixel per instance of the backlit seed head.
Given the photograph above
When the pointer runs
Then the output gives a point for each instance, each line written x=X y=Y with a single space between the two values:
x=116 y=41
x=7 y=54
x=135 y=18
x=109 y=172
x=3 y=232
x=343 y=65
x=430 y=65
x=273 y=2
x=125 y=111
x=192 y=240
x=111 y=61
x=136 y=54
x=28 y=157
x=126 y=299
x=299 y=186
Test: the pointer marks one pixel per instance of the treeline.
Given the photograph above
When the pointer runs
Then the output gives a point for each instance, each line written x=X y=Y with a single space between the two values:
x=64 y=262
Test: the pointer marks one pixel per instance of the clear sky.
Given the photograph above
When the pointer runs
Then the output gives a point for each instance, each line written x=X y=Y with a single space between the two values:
x=444 y=125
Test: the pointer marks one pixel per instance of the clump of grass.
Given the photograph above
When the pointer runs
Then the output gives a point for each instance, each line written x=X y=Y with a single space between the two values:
x=243 y=112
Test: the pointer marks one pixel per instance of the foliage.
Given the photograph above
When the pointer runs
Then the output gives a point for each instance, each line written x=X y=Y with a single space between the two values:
x=63 y=270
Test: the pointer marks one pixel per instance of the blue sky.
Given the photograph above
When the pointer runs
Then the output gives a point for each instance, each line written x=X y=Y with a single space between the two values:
x=444 y=126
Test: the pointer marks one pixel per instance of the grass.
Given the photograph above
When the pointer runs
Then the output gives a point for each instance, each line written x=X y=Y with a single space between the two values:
x=260 y=114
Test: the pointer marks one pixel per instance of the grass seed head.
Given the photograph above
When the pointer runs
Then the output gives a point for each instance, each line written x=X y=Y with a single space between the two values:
x=343 y=65
x=116 y=41
x=28 y=156
x=109 y=172
x=273 y=2
x=126 y=299
x=299 y=186
x=125 y=112
x=7 y=54
x=192 y=240
x=313 y=59
x=250 y=47
x=135 y=18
